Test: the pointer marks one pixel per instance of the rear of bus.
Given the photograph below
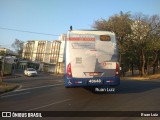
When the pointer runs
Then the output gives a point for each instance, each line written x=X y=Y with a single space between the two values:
x=91 y=59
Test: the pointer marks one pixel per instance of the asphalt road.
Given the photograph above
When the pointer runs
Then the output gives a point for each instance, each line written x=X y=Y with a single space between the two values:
x=47 y=93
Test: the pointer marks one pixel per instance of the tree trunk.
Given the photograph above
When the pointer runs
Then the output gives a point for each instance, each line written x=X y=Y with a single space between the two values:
x=1 y=79
x=148 y=67
x=143 y=62
x=132 y=69
x=154 y=68
x=121 y=65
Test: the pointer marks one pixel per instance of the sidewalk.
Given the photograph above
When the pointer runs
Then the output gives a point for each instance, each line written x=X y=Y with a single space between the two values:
x=6 y=87
x=17 y=73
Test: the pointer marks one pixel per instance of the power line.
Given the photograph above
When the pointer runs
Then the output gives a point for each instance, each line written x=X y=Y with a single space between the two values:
x=27 y=31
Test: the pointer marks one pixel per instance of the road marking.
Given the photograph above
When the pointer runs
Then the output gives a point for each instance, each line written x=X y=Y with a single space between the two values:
x=38 y=87
x=49 y=104
x=5 y=96
x=19 y=90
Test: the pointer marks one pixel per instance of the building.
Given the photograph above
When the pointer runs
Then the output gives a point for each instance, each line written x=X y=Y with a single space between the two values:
x=8 y=51
x=49 y=54
x=42 y=51
x=28 y=48
x=60 y=65
x=51 y=61
x=36 y=50
x=54 y=51
x=7 y=61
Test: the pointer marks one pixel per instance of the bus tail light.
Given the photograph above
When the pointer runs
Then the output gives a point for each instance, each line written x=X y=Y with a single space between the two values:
x=117 y=69
x=69 y=70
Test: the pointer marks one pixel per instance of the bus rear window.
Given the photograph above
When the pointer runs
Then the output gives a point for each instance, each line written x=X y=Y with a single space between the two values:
x=105 y=38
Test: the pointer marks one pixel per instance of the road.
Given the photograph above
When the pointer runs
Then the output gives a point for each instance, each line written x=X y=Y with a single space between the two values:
x=47 y=93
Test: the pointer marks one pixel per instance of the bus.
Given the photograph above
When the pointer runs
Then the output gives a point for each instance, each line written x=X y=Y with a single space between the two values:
x=91 y=59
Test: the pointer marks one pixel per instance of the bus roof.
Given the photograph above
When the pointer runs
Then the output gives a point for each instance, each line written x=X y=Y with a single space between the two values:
x=91 y=32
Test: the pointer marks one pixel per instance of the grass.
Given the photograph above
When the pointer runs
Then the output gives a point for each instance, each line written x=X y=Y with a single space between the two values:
x=149 y=77
x=6 y=87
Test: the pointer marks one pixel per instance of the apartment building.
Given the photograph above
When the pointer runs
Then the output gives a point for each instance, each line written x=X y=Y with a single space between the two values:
x=60 y=65
x=36 y=50
x=52 y=57
x=62 y=38
x=49 y=54
x=28 y=50
x=43 y=51
x=54 y=51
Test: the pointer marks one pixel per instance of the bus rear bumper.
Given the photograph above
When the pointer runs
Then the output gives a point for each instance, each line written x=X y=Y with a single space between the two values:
x=82 y=82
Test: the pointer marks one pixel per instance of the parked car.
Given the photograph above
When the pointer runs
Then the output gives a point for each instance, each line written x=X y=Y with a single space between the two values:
x=30 y=72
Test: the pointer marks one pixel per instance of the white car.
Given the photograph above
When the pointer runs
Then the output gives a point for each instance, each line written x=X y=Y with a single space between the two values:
x=30 y=72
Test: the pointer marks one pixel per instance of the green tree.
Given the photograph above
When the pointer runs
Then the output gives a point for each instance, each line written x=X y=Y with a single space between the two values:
x=138 y=39
x=144 y=38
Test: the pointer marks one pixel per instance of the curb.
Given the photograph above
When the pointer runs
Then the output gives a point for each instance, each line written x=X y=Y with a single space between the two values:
x=9 y=90
x=14 y=76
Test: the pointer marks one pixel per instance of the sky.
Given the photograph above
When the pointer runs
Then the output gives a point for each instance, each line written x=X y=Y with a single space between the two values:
x=56 y=16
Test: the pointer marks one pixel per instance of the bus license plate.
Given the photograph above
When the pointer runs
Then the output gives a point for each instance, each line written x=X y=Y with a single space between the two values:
x=95 y=81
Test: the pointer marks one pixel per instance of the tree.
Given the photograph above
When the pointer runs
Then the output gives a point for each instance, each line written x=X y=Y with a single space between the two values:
x=138 y=39
x=18 y=46
x=144 y=38
x=119 y=23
